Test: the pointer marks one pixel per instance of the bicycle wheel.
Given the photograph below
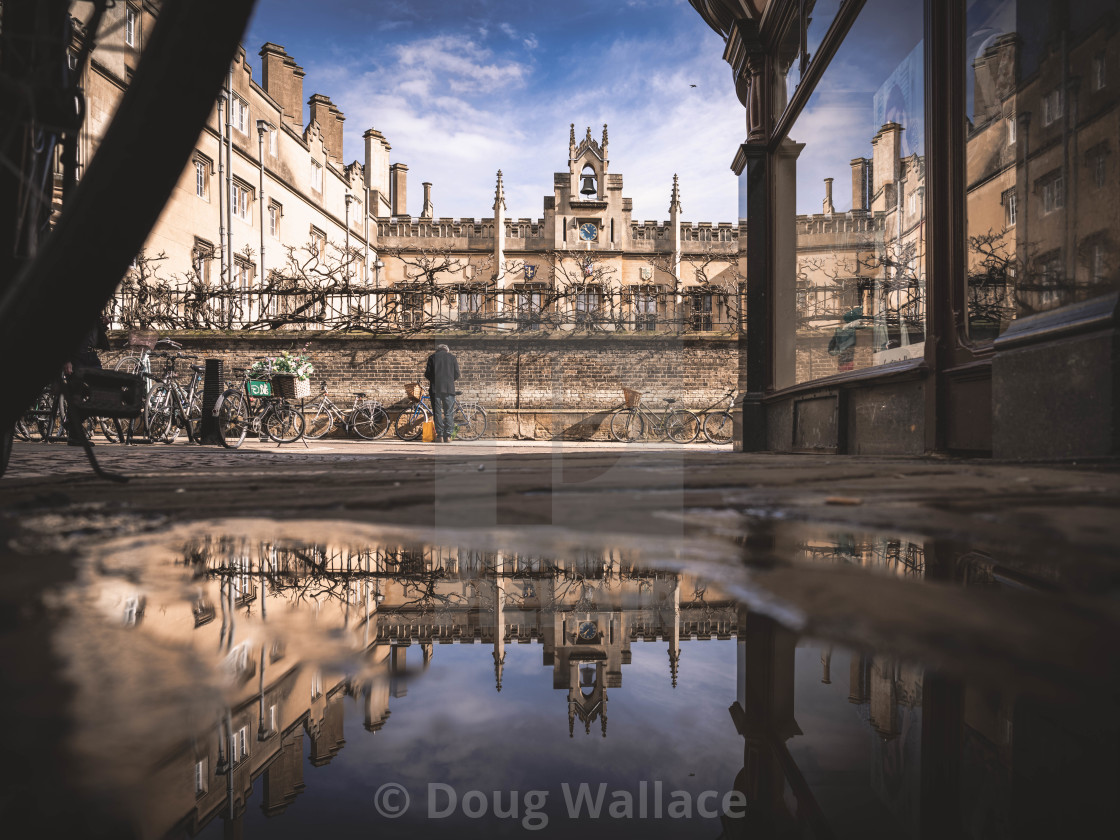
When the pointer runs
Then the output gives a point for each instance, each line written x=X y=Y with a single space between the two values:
x=233 y=418
x=194 y=416
x=111 y=429
x=410 y=423
x=129 y=364
x=283 y=422
x=161 y=403
x=682 y=426
x=627 y=425
x=470 y=422
x=369 y=422
x=719 y=427
x=317 y=421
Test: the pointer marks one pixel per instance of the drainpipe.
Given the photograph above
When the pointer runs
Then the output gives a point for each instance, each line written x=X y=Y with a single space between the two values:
x=262 y=128
x=346 y=261
x=229 y=179
x=223 y=193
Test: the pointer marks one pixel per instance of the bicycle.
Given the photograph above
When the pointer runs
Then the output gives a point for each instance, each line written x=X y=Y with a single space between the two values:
x=170 y=407
x=45 y=419
x=468 y=419
x=366 y=417
x=632 y=422
x=254 y=408
x=54 y=279
x=719 y=426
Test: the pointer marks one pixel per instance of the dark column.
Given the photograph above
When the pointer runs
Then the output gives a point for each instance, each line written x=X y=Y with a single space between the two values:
x=754 y=343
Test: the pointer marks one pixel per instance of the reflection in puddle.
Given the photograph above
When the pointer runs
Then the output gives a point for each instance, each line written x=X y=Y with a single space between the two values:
x=235 y=684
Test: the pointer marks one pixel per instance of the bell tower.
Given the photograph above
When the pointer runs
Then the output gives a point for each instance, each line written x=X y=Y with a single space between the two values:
x=589 y=212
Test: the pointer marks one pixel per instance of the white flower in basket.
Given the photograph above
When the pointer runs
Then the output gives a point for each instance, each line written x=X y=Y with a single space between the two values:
x=290 y=373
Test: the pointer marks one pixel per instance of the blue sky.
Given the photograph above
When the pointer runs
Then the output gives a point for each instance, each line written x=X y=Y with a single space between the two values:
x=462 y=89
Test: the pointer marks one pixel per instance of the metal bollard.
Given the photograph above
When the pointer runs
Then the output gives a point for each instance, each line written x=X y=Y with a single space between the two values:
x=213 y=384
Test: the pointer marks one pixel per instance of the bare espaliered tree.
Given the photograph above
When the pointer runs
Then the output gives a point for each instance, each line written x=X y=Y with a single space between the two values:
x=324 y=287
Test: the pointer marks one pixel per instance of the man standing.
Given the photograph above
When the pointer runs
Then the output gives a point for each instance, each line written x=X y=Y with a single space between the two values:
x=442 y=371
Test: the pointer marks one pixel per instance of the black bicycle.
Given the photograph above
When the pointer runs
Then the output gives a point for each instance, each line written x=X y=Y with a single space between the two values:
x=254 y=407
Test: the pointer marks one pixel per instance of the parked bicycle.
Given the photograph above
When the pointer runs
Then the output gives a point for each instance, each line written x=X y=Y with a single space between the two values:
x=45 y=419
x=468 y=418
x=171 y=407
x=718 y=425
x=635 y=421
x=366 y=418
x=253 y=407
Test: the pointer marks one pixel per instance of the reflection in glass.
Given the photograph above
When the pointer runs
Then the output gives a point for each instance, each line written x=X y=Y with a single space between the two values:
x=850 y=264
x=1041 y=157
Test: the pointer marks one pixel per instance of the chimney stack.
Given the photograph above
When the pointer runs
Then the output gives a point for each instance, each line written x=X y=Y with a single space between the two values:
x=330 y=119
x=282 y=79
x=827 y=205
x=429 y=211
x=377 y=172
x=398 y=189
x=860 y=187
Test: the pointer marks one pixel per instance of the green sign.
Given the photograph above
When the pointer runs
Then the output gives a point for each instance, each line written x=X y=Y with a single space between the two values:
x=258 y=388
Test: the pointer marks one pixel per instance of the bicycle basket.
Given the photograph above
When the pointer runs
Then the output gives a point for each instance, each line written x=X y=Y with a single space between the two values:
x=143 y=338
x=412 y=390
x=632 y=398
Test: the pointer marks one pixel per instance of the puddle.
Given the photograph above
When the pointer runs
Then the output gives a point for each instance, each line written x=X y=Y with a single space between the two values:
x=253 y=678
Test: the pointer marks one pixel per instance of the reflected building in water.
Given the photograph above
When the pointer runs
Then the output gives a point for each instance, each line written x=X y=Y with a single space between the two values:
x=836 y=742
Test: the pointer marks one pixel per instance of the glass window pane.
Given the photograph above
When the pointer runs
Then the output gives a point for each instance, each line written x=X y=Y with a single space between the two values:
x=1041 y=157
x=849 y=250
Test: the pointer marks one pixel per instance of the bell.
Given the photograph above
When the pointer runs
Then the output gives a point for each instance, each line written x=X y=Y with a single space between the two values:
x=588 y=187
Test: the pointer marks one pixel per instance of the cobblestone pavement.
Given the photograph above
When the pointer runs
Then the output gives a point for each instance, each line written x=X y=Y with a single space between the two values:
x=628 y=488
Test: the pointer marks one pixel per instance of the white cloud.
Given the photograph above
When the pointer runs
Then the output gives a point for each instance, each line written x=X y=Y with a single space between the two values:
x=456 y=111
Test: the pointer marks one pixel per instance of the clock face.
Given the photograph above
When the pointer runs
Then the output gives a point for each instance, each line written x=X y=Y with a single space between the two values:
x=587 y=631
x=588 y=231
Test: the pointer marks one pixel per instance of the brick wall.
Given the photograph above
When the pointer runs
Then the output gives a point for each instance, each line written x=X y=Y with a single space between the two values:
x=531 y=387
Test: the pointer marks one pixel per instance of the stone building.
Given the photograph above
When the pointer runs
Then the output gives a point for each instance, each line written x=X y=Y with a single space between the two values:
x=270 y=226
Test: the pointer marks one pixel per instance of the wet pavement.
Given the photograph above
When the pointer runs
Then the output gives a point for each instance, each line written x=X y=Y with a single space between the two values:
x=528 y=638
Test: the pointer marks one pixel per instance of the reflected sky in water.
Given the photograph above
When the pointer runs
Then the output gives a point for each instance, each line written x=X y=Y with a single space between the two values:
x=276 y=687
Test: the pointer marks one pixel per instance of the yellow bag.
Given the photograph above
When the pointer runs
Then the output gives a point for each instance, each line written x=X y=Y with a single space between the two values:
x=429 y=431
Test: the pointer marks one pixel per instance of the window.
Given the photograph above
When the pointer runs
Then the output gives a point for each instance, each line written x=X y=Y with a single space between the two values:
x=1097 y=160
x=410 y=309
x=1010 y=208
x=273 y=717
x=1052 y=106
x=130 y=26
x=71 y=60
x=316 y=176
x=701 y=305
x=239 y=113
x=588 y=303
x=1012 y=130
x=472 y=304
x=201 y=776
x=644 y=306
x=239 y=745
x=202 y=171
x=272 y=141
x=243 y=274
x=275 y=211
x=1100 y=78
x=1098 y=263
x=1053 y=192
x=201 y=256
x=529 y=302
x=241 y=200
x=316 y=684
x=318 y=242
